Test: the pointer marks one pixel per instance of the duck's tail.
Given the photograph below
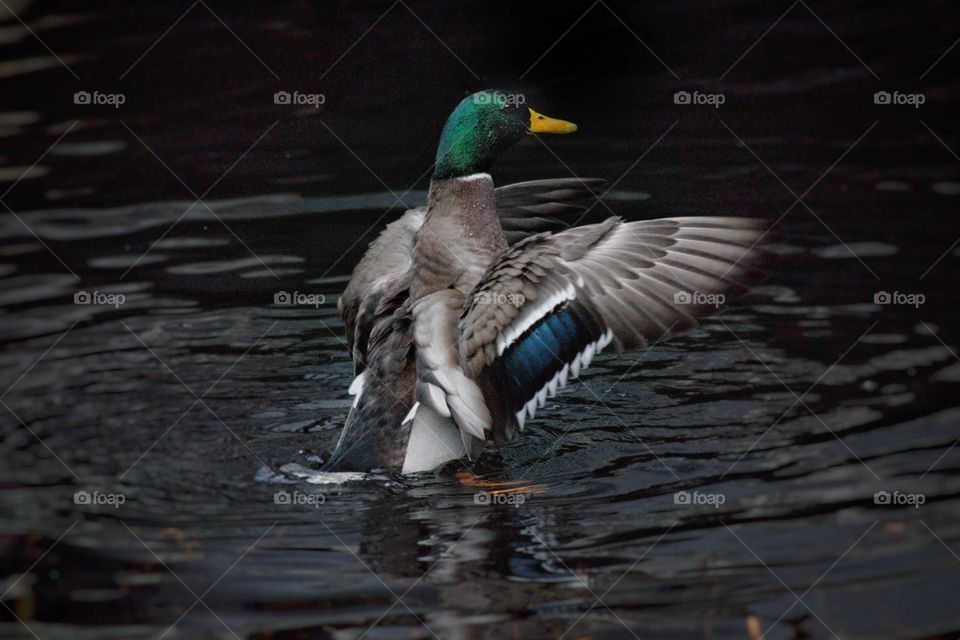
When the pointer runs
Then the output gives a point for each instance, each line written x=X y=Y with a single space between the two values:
x=375 y=435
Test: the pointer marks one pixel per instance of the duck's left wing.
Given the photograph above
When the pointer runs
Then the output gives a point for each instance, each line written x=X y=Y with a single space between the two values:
x=551 y=302
x=378 y=282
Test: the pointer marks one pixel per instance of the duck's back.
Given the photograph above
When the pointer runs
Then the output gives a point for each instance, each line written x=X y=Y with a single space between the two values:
x=523 y=209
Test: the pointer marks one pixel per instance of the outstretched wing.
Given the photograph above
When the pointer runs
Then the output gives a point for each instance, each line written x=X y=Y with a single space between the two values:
x=524 y=208
x=550 y=303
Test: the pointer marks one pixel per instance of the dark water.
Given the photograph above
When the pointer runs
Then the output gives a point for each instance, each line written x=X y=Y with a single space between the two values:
x=783 y=417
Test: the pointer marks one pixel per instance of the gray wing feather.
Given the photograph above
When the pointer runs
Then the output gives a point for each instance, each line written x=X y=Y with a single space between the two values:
x=640 y=280
x=379 y=276
x=532 y=207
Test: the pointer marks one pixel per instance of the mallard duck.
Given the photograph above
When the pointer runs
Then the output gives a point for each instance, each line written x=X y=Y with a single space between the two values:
x=465 y=316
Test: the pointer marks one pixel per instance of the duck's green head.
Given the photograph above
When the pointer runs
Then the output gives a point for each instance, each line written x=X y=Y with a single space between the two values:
x=485 y=124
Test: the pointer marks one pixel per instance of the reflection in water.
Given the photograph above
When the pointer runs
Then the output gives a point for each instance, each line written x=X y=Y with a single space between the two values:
x=602 y=475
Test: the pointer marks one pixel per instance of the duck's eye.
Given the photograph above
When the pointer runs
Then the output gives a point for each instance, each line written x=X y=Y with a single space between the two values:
x=539 y=117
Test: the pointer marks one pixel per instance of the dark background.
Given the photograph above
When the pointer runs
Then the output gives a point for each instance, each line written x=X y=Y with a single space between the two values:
x=188 y=398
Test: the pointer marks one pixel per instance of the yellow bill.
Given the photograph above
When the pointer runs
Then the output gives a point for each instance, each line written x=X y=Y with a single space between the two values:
x=540 y=123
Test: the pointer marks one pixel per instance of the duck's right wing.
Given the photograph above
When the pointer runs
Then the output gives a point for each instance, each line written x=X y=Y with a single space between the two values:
x=527 y=208
x=550 y=303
